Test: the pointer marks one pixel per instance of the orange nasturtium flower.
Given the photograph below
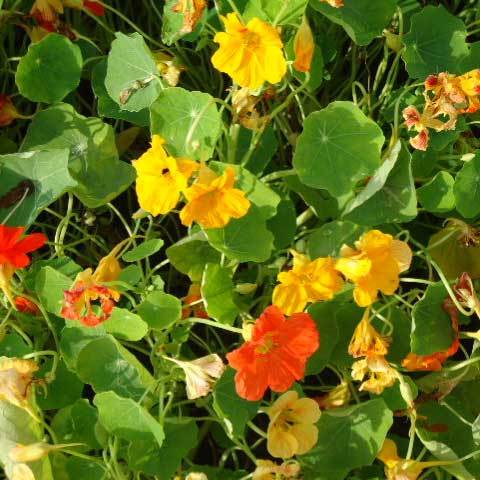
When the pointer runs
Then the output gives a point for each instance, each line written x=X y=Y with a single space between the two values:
x=13 y=254
x=308 y=281
x=292 y=430
x=161 y=178
x=191 y=10
x=212 y=199
x=251 y=54
x=378 y=372
x=193 y=305
x=366 y=340
x=304 y=47
x=89 y=287
x=276 y=355
x=47 y=10
x=374 y=265
x=16 y=376
x=397 y=468
x=25 y=305
x=8 y=112
x=268 y=470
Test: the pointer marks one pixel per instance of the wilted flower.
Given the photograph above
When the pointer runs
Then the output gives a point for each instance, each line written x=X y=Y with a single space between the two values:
x=366 y=340
x=268 y=470
x=244 y=103
x=251 y=54
x=292 y=430
x=16 y=376
x=13 y=254
x=89 y=287
x=335 y=398
x=200 y=374
x=304 y=47
x=213 y=201
x=379 y=373
x=308 y=281
x=168 y=68
x=191 y=10
x=161 y=178
x=375 y=265
x=276 y=354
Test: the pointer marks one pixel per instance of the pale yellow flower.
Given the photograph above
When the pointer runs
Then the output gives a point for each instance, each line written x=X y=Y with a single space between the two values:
x=379 y=373
x=251 y=54
x=292 y=430
x=35 y=451
x=22 y=472
x=200 y=374
x=161 y=178
x=268 y=470
x=366 y=340
x=335 y=398
x=375 y=265
x=308 y=281
x=213 y=201
x=16 y=376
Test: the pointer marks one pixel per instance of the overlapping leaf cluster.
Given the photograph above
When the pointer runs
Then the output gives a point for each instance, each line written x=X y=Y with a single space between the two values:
x=190 y=200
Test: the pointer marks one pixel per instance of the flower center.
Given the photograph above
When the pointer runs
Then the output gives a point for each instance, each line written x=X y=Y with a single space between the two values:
x=165 y=171
x=267 y=345
x=251 y=40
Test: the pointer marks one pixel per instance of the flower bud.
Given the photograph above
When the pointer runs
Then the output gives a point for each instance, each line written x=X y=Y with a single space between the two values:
x=304 y=46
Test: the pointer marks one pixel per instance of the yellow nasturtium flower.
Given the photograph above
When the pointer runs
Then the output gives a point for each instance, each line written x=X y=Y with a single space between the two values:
x=374 y=265
x=161 y=178
x=397 y=468
x=378 y=372
x=292 y=430
x=304 y=46
x=366 y=340
x=251 y=54
x=308 y=281
x=213 y=201
x=268 y=470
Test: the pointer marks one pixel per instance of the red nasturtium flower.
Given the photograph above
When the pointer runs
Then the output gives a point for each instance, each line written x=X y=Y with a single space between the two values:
x=13 y=253
x=88 y=288
x=8 y=112
x=193 y=305
x=25 y=305
x=276 y=355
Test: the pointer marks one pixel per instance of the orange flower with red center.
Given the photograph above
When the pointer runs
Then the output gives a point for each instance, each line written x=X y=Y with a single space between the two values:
x=435 y=361
x=89 y=300
x=13 y=253
x=276 y=355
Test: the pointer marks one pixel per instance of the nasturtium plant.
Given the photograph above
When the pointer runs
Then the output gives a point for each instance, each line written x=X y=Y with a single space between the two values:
x=239 y=240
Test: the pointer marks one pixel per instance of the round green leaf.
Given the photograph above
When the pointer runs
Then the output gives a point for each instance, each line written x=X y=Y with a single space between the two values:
x=437 y=195
x=160 y=310
x=432 y=327
x=467 y=188
x=50 y=70
x=432 y=50
x=132 y=79
x=125 y=325
x=218 y=294
x=363 y=20
x=188 y=121
x=143 y=250
x=339 y=146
